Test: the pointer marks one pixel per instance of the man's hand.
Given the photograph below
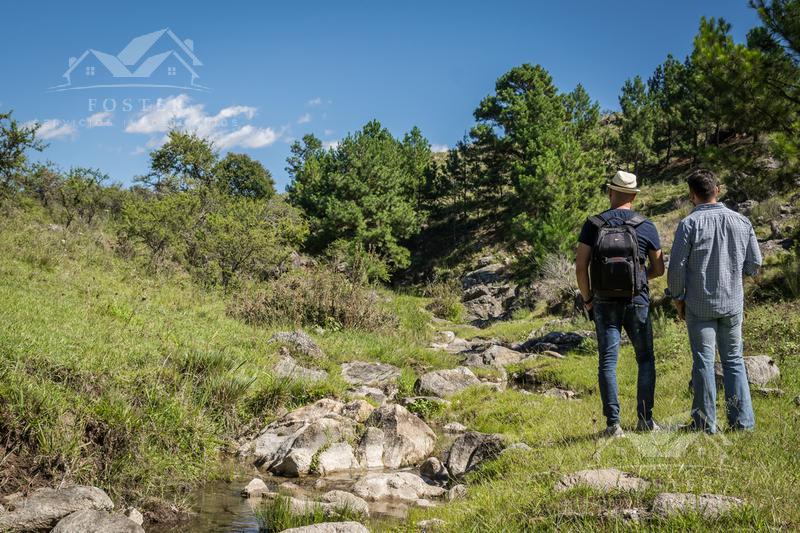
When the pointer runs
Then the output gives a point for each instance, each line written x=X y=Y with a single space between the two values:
x=680 y=307
x=588 y=305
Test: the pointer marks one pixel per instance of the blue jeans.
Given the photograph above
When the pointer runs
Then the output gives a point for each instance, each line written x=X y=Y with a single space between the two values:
x=609 y=318
x=705 y=336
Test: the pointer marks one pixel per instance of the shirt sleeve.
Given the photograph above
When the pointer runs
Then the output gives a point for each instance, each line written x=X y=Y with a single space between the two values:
x=588 y=234
x=678 y=257
x=752 y=259
x=653 y=240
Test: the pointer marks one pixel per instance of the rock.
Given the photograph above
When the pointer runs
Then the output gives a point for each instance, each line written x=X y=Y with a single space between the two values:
x=458 y=345
x=495 y=355
x=299 y=341
x=420 y=405
x=431 y=524
x=432 y=469
x=370 y=448
x=422 y=502
x=517 y=446
x=556 y=341
x=444 y=383
x=358 y=410
x=94 y=521
x=255 y=488
x=605 y=480
x=338 y=457
x=134 y=515
x=706 y=505
x=492 y=273
x=404 y=486
x=44 y=507
x=457 y=492
x=407 y=440
x=558 y=392
x=470 y=449
x=528 y=379
x=484 y=309
x=293 y=489
x=454 y=427
x=287 y=367
x=369 y=374
x=371 y=393
x=330 y=527
x=287 y=446
x=761 y=369
x=553 y=354
x=346 y=500
x=444 y=337
x=797 y=401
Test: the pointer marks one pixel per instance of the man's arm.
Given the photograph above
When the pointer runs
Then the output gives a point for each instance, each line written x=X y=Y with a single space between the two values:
x=678 y=257
x=582 y=258
x=752 y=259
x=656 y=267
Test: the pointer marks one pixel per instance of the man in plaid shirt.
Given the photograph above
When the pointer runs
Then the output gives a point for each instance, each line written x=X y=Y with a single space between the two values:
x=713 y=248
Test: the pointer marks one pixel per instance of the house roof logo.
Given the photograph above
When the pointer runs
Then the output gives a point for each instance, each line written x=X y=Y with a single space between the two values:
x=157 y=59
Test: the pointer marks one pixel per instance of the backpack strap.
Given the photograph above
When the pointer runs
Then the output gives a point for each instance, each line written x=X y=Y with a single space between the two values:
x=597 y=221
x=635 y=220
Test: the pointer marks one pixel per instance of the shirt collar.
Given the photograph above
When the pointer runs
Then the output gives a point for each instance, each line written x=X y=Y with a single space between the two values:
x=706 y=207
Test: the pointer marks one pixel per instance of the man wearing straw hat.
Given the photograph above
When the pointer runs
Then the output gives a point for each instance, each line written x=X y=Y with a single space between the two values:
x=613 y=248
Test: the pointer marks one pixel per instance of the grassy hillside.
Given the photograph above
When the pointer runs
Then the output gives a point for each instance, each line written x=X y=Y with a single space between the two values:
x=139 y=382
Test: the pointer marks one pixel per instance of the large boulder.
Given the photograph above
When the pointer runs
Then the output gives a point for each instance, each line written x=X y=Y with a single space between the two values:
x=369 y=374
x=299 y=342
x=403 y=486
x=443 y=383
x=557 y=341
x=492 y=273
x=761 y=369
x=604 y=480
x=433 y=470
x=706 y=505
x=338 y=457
x=44 y=507
x=288 y=368
x=288 y=445
x=406 y=439
x=93 y=521
x=470 y=449
x=484 y=309
x=494 y=355
x=330 y=527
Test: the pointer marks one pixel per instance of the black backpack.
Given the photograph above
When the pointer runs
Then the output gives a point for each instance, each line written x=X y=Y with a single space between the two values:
x=616 y=268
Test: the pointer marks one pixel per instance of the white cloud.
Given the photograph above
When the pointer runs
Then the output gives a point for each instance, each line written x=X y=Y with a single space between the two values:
x=330 y=144
x=439 y=148
x=54 y=128
x=223 y=129
x=305 y=119
x=327 y=132
x=314 y=101
x=101 y=119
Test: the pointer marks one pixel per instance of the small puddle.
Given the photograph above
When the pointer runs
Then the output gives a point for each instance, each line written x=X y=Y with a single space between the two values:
x=219 y=506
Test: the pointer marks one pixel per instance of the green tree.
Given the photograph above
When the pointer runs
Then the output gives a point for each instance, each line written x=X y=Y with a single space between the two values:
x=637 y=124
x=15 y=140
x=184 y=162
x=362 y=190
x=543 y=143
x=240 y=175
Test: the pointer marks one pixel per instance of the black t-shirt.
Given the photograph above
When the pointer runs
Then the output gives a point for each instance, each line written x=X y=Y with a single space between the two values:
x=646 y=234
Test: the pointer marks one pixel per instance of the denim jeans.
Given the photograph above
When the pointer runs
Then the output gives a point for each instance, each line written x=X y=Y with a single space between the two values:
x=610 y=317
x=705 y=336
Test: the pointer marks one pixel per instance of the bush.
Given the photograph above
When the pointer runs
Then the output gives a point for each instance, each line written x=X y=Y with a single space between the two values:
x=446 y=300
x=556 y=284
x=313 y=297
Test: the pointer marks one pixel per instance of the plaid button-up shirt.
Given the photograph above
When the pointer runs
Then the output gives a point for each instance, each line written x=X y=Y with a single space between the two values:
x=713 y=248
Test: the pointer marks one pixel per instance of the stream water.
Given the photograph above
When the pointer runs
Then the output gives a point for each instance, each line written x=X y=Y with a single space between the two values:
x=219 y=506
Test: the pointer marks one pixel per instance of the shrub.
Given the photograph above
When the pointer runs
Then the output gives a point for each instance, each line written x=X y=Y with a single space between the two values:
x=556 y=284
x=445 y=300
x=319 y=296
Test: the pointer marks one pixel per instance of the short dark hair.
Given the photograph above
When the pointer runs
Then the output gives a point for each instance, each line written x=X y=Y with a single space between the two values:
x=703 y=183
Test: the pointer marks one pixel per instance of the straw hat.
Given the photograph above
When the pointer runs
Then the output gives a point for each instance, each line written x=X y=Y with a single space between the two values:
x=623 y=182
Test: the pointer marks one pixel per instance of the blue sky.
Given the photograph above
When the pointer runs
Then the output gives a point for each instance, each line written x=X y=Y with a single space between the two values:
x=276 y=71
